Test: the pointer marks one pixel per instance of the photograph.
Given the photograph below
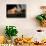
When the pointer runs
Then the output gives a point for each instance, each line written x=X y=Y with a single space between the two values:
x=16 y=10
x=22 y=22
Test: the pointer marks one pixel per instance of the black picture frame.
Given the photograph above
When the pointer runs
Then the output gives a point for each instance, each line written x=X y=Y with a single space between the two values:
x=16 y=10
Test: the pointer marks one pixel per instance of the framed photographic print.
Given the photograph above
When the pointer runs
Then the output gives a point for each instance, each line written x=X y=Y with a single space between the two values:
x=16 y=10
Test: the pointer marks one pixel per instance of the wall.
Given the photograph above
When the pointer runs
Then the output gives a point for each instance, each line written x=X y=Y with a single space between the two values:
x=26 y=26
